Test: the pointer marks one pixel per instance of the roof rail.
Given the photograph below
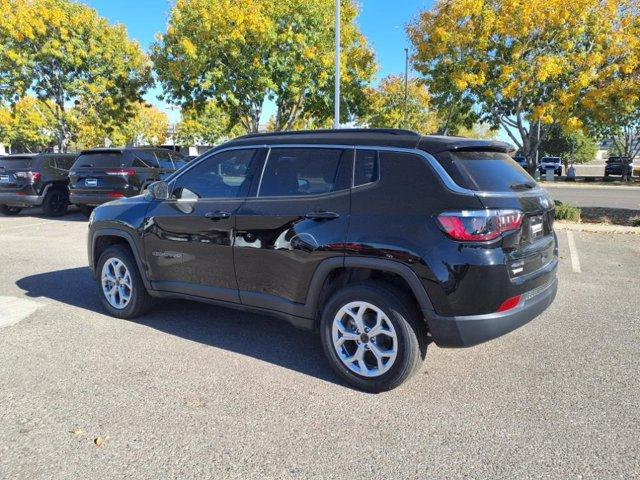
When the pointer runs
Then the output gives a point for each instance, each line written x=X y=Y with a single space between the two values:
x=388 y=131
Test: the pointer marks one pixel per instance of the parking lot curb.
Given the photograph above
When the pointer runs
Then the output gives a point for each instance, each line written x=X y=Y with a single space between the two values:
x=563 y=184
x=597 y=228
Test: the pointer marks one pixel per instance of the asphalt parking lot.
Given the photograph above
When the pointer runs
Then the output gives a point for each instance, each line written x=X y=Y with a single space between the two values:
x=195 y=391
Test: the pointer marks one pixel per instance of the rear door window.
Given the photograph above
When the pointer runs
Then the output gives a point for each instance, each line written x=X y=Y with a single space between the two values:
x=101 y=160
x=301 y=171
x=486 y=171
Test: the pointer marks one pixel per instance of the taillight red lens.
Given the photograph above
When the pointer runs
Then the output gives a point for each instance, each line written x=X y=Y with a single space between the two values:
x=115 y=195
x=479 y=225
x=123 y=172
x=510 y=303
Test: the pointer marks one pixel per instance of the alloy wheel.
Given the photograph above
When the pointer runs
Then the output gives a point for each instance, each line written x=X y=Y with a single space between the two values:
x=116 y=283
x=364 y=339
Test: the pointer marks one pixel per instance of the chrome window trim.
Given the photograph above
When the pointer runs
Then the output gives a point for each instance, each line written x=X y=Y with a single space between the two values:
x=430 y=159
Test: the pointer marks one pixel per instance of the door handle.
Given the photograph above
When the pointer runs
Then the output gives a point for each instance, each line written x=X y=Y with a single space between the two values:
x=217 y=215
x=321 y=215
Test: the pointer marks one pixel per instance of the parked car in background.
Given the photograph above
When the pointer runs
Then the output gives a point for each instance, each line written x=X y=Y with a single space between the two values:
x=30 y=180
x=550 y=162
x=522 y=161
x=381 y=240
x=616 y=165
x=104 y=174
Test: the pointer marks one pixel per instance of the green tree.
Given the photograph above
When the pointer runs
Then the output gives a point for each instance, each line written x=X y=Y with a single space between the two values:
x=27 y=126
x=387 y=106
x=572 y=146
x=209 y=126
x=64 y=53
x=242 y=53
x=146 y=126
x=526 y=65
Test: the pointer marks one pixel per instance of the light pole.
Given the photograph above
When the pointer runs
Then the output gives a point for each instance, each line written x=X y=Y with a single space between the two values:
x=406 y=84
x=336 y=100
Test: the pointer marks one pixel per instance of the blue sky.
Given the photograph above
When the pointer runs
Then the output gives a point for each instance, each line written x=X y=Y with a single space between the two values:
x=382 y=21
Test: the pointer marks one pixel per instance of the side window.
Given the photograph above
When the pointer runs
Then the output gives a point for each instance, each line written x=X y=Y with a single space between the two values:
x=164 y=159
x=225 y=175
x=145 y=159
x=366 y=169
x=178 y=160
x=65 y=163
x=301 y=171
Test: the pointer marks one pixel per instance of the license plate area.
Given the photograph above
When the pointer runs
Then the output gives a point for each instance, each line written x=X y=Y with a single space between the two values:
x=536 y=227
x=4 y=179
x=91 y=182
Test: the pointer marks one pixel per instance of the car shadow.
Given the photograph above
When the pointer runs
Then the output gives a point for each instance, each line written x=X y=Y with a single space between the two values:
x=72 y=215
x=261 y=337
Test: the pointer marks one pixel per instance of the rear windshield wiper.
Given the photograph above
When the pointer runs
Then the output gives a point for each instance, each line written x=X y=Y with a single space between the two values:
x=522 y=186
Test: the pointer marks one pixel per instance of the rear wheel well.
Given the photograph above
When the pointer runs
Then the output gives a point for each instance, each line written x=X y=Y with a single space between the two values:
x=105 y=241
x=341 y=277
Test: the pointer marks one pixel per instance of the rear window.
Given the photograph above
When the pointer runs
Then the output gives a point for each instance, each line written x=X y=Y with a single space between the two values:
x=485 y=171
x=101 y=159
x=12 y=163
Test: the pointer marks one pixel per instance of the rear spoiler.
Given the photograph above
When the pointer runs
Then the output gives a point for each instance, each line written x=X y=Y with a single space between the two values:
x=467 y=144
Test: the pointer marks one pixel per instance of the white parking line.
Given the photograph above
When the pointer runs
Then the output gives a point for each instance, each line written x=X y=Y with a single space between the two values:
x=573 y=251
x=14 y=227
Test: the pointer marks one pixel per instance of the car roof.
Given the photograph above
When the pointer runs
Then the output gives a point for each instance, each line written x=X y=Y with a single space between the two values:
x=380 y=137
x=121 y=150
x=35 y=155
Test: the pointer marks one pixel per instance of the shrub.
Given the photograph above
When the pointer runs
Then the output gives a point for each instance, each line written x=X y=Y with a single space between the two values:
x=567 y=212
x=635 y=222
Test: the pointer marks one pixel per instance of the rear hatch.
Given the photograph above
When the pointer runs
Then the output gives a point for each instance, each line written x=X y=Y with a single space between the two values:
x=502 y=185
x=16 y=173
x=100 y=171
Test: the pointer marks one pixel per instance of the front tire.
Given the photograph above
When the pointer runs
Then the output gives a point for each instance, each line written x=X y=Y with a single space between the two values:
x=373 y=335
x=121 y=289
x=9 y=211
x=55 y=203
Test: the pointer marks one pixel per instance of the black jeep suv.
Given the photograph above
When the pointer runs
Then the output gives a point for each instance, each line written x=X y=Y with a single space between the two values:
x=382 y=240
x=30 y=180
x=104 y=174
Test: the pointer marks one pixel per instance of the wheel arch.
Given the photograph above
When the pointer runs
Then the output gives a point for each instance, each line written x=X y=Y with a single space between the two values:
x=106 y=237
x=334 y=266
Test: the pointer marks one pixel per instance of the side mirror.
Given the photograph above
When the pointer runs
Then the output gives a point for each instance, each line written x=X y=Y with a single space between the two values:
x=158 y=191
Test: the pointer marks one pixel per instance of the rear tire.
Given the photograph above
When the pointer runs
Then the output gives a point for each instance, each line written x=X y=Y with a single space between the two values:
x=130 y=298
x=85 y=210
x=381 y=307
x=55 y=203
x=9 y=211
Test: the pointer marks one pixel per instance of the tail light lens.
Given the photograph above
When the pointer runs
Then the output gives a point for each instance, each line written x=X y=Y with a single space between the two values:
x=32 y=177
x=122 y=172
x=115 y=195
x=479 y=225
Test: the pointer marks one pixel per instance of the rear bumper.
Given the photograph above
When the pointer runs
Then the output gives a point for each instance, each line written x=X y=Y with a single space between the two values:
x=15 y=200
x=91 y=200
x=467 y=331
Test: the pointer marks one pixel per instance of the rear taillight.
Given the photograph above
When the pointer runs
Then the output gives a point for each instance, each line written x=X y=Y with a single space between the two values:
x=122 y=172
x=115 y=195
x=479 y=225
x=32 y=177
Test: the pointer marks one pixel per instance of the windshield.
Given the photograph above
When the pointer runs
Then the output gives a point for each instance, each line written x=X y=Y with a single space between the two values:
x=486 y=171
x=101 y=160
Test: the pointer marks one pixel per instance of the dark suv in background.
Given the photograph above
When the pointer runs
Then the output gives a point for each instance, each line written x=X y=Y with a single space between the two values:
x=103 y=174
x=381 y=240
x=616 y=166
x=30 y=180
